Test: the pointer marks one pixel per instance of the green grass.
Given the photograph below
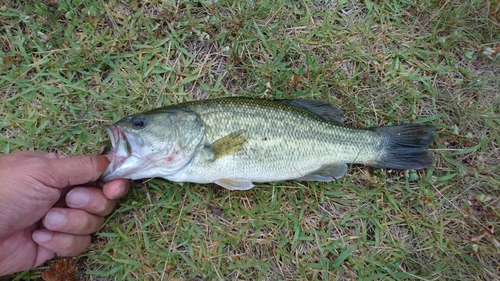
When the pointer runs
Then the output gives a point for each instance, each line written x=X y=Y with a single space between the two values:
x=69 y=69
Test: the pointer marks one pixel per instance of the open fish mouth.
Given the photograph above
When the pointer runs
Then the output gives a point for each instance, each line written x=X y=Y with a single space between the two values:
x=120 y=151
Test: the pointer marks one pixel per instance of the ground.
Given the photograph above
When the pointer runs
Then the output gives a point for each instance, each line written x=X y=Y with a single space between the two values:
x=70 y=67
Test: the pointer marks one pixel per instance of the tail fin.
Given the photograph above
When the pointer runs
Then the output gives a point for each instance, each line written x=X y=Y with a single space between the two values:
x=405 y=146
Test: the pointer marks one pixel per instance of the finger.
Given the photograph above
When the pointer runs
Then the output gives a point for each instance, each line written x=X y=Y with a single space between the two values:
x=91 y=200
x=72 y=221
x=31 y=154
x=116 y=189
x=64 y=244
x=42 y=255
x=75 y=170
x=52 y=155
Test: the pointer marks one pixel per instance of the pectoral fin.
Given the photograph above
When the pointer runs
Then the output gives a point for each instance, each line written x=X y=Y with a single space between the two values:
x=329 y=172
x=227 y=144
x=235 y=184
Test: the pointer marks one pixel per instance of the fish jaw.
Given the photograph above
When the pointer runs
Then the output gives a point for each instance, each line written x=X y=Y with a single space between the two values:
x=131 y=158
x=123 y=161
x=119 y=153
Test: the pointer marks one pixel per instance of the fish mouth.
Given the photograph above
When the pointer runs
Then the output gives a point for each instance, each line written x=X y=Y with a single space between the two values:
x=120 y=151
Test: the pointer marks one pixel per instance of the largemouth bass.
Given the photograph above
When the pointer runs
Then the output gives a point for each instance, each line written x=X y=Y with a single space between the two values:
x=236 y=141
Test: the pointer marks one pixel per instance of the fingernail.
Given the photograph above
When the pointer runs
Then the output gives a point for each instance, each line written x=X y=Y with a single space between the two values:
x=42 y=236
x=55 y=218
x=121 y=190
x=77 y=198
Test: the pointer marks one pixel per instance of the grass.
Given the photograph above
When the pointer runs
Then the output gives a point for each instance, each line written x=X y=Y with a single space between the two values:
x=71 y=67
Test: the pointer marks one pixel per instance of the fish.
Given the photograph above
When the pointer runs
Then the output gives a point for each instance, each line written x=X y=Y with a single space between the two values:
x=235 y=142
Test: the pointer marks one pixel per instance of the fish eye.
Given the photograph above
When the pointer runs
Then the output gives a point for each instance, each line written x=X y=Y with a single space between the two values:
x=139 y=122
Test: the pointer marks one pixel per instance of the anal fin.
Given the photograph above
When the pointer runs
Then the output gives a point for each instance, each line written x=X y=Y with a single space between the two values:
x=327 y=173
x=235 y=184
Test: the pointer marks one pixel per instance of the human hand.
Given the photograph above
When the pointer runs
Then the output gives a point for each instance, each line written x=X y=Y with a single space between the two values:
x=50 y=205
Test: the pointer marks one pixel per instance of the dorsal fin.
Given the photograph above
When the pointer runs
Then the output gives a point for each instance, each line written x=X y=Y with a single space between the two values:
x=326 y=111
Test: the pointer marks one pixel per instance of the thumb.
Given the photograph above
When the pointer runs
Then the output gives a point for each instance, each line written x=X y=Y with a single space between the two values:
x=75 y=170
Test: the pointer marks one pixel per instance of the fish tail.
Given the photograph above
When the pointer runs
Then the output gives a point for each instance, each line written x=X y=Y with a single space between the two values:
x=405 y=146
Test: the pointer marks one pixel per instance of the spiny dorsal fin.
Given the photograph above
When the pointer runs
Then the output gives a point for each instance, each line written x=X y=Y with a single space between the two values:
x=228 y=144
x=326 y=111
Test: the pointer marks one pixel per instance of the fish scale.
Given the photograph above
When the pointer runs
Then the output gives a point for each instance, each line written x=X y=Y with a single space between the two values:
x=236 y=141
x=297 y=144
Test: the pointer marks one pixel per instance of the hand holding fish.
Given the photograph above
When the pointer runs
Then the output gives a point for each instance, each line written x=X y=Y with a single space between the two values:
x=50 y=206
